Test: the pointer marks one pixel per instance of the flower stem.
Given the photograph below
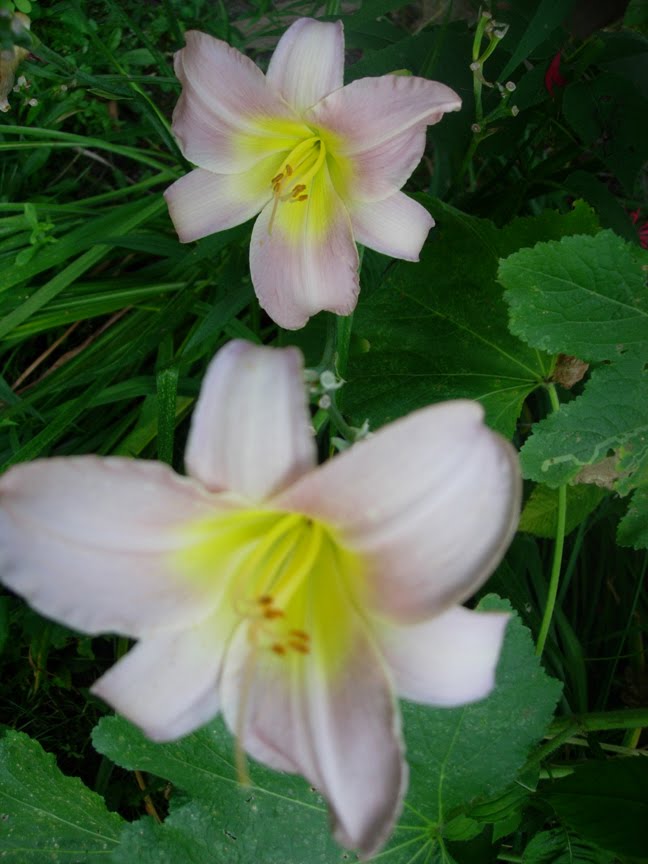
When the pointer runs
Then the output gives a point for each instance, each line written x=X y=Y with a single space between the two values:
x=558 y=549
x=601 y=721
x=344 y=326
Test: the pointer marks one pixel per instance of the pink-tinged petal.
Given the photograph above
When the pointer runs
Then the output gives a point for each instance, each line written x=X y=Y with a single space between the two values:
x=342 y=732
x=202 y=203
x=303 y=258
x=431 y=501
x=379 y=171
x=396 y=226
x=251 y=432
x=308 y=62
x=447 y=660
x=91 y=542
x=371 y=111
x=228 y=116
x=378 y=125
x=168 y=683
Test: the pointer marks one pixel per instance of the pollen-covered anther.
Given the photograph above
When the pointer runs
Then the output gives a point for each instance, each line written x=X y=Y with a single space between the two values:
x=300 y=647
x=299 y=641
x=278 y=649
x=268 y=610
x=300 y=187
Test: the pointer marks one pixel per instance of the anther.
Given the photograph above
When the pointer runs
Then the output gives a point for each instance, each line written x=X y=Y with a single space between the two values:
x=301 y=198
x=298 y=188
x=300 y=647
x=278 y=648
x=270 y=614
x=278 y=178
x=265 y=600
x=289 y=171
x=300 y=634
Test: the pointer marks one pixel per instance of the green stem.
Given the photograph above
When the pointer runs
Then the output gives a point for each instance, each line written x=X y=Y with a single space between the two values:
x=559 y=545
x=328 y=354
x=601 y=721
x=344 y=326
x=339 y=422
x=561 y=735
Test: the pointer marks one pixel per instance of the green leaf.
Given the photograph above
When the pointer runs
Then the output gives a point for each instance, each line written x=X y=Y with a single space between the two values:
x=540 y=513
x=69 y=274
x=584 y=296
x=636 y=15
x=633 y=528
x=46 y=816
x=559 y=847
x=261 y=817
x=606 y=802
x=609 y=421
x=206 y=831
x=610 y=116
x=608 y=207
x=438 y=329
x=549 y=15
x=459 y=755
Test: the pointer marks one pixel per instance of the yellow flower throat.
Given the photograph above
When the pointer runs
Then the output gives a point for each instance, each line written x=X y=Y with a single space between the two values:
x=290 y=184
x=288 y=577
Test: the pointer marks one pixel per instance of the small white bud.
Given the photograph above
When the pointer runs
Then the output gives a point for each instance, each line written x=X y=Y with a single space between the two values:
x=475 y=128
x=328 y=380
x=475 y=66
x=515 y=110
x=510 y=86
x=325 y=402
x=32 y=102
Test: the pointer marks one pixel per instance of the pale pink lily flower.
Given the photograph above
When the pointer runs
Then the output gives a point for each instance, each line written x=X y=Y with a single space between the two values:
x=298 y=600
x=322 y=163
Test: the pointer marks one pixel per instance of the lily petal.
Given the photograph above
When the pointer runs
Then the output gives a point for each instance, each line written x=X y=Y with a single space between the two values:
x=308 y=62
x=250 y=432
x=168 y=683
x=379 y=125
x=432 y=501
x=228 y=116
x=341 y=733
x=396 y=226
x=303 y=258
x=201 y=203
x=448 y=660
x=91 y=542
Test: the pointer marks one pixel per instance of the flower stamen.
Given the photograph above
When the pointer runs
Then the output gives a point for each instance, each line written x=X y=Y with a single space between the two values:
x=303 y=163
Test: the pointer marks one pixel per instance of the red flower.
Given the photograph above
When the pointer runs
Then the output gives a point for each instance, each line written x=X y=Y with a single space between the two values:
x=642 y=230
x=553 y=76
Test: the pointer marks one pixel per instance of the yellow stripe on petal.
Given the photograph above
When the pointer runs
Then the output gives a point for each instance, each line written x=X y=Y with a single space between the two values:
x=267 y=135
